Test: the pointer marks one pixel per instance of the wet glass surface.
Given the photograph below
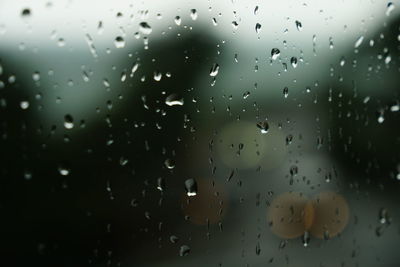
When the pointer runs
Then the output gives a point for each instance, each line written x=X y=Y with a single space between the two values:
x=199 y=133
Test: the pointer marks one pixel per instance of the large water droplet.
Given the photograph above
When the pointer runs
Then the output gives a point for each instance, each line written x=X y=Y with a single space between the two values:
x=145 y=28
x=263 y=126
x=275 y=52
x=193 y=14
x=169 y=163
x=293 y=61
x=178 y=20
x=285 y=92
x=68 y=121
x=359 y=41
x=161 y=184
x=258 y=27
x=214 y=70
x=174 y=100
x=390 y=7
x=191 y=187
x=305 y=239
x=157 y=76
x=36 y=76
x=299 y=26
x=184 y=250
x=26 y=12
x=256 y=10
x=119 y=42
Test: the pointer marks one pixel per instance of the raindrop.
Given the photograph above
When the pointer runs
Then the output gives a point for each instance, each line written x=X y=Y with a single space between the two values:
x=395 y=107
x=263 y=126
x=63 y=170
x=145 y=28
x=389 y=8
x=275 y=52
x=299 y=26
x=184 y=250
x=342 y=61
x=178 y=20
x=174 y=239
x=191 y=187
x=359 y=41
x=380 y=116
x=235 y=25
x=134 y=68
x=258 y=28
x=294 y=170
x=24 y=104
x=157 y=76
x=193 y=14
x=285 y=92
x=169 y=163
x=61 y=42
x=174 y=100
x=68 y=121
x=289 y=139
x=256 y=10
x=26 y=12
x=293 y=61
x=36 y=76
x=305 y=239
x=161 y=184
x=214 y=70
x=27 y=175
x=384 y=216
x=119 y=42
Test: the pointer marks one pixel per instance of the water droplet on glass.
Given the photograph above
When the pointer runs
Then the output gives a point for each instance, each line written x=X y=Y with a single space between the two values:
x=289 y=139
x=174 y=239
x=169 y=163
x=256 y=10
x=285 y=92
x=63 y=170
x=342 y=61
x=36 y=76
x=294 y=170
x=389 y=8
x=68 y=121
x=161 y=184
x=235 y=25
x=299 y=26
x=191 y=187
x=178 y=20
x=193 y=14
x=119 y=42
x=174 y=100
x=24 y=104
x=157 y=76
x=275 y=52
x=258 y=27
x=380 y=116
x=293 y=61
x=145 y=28
x=184 y=250
x=214 y=70
x=305 y=239
x=26 y=12
x=359 y=41
x=27 y=175
x=263 y=126
x=384 y=217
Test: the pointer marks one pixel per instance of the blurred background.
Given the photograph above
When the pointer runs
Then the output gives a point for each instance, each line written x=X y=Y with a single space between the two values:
x=199 y=133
